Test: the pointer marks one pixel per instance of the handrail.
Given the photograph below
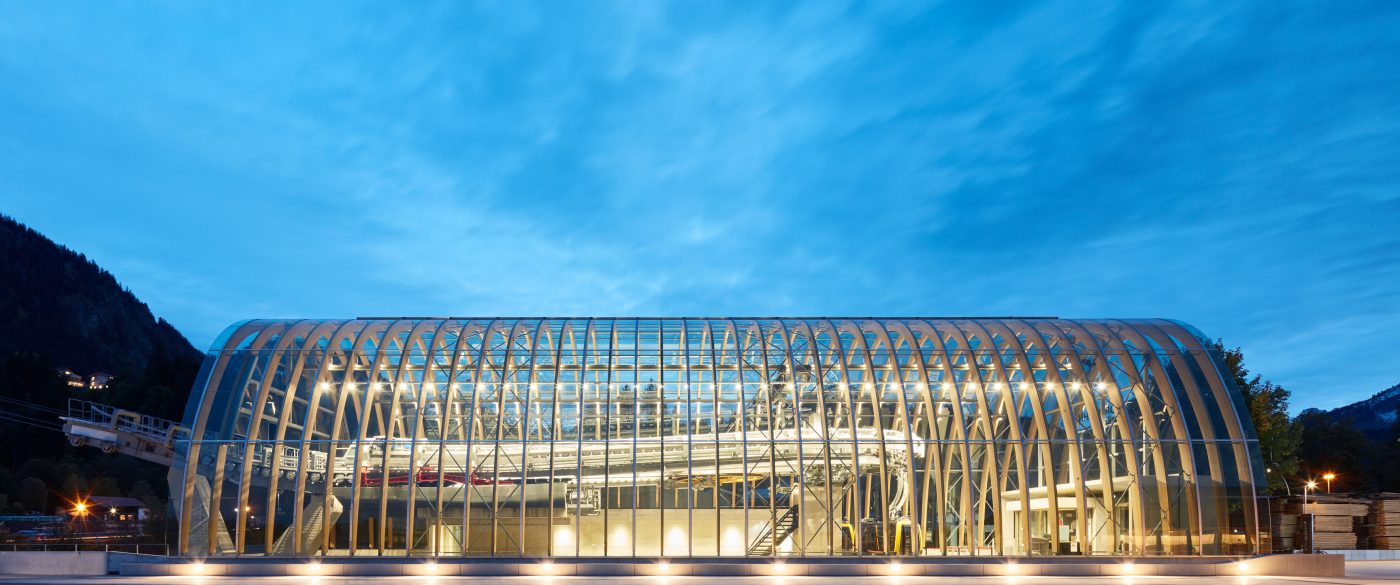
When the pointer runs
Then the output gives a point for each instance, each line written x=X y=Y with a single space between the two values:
x=158 y=429
x=136 y=548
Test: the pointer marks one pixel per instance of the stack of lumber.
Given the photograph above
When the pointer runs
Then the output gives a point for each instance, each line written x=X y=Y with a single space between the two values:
x=1282 y=528
x=1382 y=524
x=1335 y=520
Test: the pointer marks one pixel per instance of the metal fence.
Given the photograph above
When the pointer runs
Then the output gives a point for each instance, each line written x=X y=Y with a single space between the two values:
x=144 y=549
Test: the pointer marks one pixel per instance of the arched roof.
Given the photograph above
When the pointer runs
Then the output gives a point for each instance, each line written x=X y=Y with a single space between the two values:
x=1081 y=408
x=1167 y=363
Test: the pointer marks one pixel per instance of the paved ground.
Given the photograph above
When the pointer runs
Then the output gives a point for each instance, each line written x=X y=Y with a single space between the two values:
x=1358 y=573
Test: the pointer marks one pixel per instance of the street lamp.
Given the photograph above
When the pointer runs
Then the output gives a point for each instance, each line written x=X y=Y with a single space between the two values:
x=80 y=510
x=1312 y=517
x=1329 y=476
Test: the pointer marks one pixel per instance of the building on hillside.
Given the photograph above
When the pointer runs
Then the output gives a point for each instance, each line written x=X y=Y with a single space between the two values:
x=100 y=381
x=72 y=378
x=118 y=509
x=716 y=437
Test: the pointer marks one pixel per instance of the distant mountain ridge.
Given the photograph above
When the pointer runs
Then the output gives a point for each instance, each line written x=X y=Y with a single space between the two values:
x=58 y=304
x=1373 y=415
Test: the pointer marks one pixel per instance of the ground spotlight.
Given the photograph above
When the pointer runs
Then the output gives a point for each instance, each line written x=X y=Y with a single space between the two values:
x=430 y=568
x=777 y=569
x=1011 y=569
x=894 y=569
x=195 y=568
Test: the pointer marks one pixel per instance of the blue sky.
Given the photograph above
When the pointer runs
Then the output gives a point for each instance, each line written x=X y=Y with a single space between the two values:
x=1236 y=166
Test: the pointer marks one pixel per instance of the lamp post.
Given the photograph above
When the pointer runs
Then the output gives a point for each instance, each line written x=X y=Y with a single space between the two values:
x=1328 y=477
x=80 y=510
x=1312 y=517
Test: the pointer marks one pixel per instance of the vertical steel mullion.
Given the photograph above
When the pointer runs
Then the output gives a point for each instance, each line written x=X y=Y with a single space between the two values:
x=636 y=425
x=555 y=424
x=505 y=380
x=354 y=330
x=844 y=365
x=1011 y=406
x=983 y=417
x=607 y=434
x=308 y=429
x=985 y=412
x=690 y=443
x=448 y=394
x=874 y=386
x=531 y=388
x=583 y=383
x=933 y=453
x=824 y=434
x=413 y=464
x=469 y=423
x=660 y=427
x=715 y=426
x=743 y=434
x=363 y=338
x=959 y=442
x=801 y=445
x=395 y=422
x=473 y=420
x=767 y=388
x=905 y=420
x=371 y=387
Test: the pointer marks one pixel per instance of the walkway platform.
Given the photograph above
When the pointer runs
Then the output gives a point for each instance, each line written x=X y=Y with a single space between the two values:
x=88 y=564
x=1279 y=565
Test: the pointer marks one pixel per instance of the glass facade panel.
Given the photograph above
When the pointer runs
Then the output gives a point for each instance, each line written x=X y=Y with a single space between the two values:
x=679 y=437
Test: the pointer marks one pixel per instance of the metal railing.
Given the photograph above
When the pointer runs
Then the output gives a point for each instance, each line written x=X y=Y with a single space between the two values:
x=106 y=415
x=140 y=549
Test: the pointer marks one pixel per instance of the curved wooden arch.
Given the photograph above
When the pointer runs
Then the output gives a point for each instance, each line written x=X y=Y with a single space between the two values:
x=946 y=396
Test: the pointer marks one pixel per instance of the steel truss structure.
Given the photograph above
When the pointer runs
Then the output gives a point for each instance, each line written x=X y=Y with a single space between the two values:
x=591 y=437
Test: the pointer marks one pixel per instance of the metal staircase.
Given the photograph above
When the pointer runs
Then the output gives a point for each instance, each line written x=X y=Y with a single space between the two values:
x=313 y=524
x=774 y=533
x=201 y=514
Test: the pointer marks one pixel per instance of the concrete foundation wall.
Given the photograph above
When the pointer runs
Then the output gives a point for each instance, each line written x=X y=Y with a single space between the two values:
x=1295 y=566
x=53 y=563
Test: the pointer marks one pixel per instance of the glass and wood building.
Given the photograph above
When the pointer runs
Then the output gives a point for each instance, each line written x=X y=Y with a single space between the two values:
x=709 y=437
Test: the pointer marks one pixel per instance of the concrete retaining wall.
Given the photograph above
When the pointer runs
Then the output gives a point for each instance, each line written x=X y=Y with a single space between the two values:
x=53 y=563
x=116 y=559
x=1295 y=566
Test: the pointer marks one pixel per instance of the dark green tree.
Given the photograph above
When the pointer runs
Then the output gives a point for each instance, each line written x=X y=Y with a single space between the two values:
x=1335 y=445
x=34 y=494
x=1387 y=467
x=1279 y=436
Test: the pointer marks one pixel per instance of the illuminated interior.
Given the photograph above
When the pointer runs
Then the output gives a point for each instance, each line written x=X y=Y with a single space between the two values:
x=674 y=437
